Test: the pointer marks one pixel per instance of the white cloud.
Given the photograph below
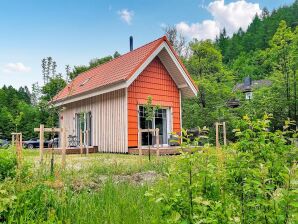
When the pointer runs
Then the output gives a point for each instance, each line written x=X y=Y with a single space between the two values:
x=208 y=29
x=230 y=16
x=126 y=15
x=16 y=67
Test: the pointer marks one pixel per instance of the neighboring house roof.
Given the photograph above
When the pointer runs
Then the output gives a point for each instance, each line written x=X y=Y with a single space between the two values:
x=256 y=84
x=121 y=71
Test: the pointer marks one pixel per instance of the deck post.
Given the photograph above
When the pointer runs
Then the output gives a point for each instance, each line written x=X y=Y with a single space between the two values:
x=157 y=142
x=41 y=142
x=139 y=142
x=81 y=142
x=87 y=143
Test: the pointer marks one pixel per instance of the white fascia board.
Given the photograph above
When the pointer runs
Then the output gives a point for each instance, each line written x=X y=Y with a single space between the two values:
x=92 y=94
x=185 y=76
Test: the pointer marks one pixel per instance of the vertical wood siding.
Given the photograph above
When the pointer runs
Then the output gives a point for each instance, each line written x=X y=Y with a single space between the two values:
x=154 y=81
x=109 y=120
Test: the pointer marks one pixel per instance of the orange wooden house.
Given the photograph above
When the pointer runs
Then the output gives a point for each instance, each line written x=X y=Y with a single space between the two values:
x=107 y=101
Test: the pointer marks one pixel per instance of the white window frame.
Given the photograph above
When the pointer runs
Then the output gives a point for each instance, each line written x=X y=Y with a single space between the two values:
x=169 y=125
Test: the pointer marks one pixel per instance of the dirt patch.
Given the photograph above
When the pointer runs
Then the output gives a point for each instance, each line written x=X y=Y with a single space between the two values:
x=148 y=177
x=96 y=183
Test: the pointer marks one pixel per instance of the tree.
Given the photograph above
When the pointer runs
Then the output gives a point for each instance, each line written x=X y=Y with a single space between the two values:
x=35 y=95
x=16 y=120
x=150 y=111
x=265 y=13
x=222 y=41
x=177 y=40
x=67 y=71
x=215 y=88
x=93 y=63
x=52 y=88
x=77 y=70
x=259 y=32
x=205 y=60
x=281 y=47
x=98 y=61
x=49 y=67
x=116 y=54
x=44 y=68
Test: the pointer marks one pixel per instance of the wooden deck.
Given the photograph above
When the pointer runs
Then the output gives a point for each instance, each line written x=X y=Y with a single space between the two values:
x=74 y=150
x=171 y=150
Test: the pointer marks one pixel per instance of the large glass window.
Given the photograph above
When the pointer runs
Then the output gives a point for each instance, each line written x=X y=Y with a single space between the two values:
x=159 y=121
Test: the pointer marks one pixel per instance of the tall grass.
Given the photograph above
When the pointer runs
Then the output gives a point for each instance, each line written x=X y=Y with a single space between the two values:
x=42 y=198
x=114 y=203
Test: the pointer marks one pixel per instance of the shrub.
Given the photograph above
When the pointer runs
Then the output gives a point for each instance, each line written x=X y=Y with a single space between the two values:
x=253 y=180
x=8 y=163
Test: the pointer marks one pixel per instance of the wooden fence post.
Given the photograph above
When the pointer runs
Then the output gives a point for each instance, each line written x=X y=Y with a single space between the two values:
x=12 y=140
x=63 y=147
x=224 y=133
x=216 y=135
x=17 y=141
x=41 y=142
x=20 y=148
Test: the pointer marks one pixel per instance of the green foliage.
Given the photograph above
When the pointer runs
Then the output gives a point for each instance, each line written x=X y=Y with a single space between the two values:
x=52 y=88
x=150 y=109
x=93 y=63
x=8 y=163
x=17 y=113
x=258 y=34
x=276 y=64
x=215 y=88
x=205 y=60
x=252 y=181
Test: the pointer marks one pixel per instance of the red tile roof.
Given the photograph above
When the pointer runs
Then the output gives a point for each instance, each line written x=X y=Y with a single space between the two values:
x=112 y=72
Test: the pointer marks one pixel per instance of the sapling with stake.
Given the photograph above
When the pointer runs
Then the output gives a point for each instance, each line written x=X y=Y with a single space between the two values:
x=149 y=116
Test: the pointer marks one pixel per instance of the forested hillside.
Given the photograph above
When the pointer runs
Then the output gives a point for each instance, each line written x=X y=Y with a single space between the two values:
x=267 y=50
x=258 y=34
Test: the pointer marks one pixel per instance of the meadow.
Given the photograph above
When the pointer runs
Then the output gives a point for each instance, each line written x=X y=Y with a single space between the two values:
x=251 y=180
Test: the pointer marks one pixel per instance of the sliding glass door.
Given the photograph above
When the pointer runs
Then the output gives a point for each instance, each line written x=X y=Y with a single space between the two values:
x=83 y=122
x=159 y=121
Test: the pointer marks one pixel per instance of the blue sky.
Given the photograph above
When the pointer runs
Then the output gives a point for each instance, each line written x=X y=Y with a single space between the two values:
x=73 y=32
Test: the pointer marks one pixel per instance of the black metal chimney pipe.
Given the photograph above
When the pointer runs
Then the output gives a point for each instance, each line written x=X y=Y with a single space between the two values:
x=131 y=43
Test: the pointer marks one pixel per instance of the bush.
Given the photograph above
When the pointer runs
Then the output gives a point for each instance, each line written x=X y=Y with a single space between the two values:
x=8 y=163
x=251 y=181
